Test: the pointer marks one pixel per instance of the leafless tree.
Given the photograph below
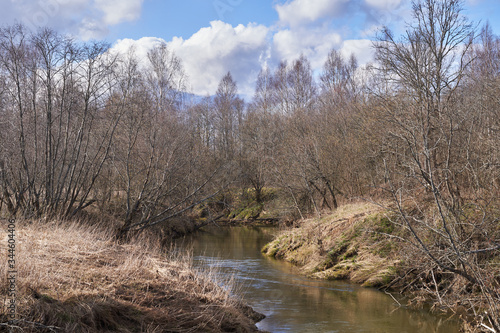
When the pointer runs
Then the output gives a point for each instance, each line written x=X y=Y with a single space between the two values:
x=161 y=161
x=228 y=109
x=58 y=89
x=428 y=138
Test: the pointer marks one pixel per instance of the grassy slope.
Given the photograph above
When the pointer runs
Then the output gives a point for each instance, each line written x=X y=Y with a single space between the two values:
x=347 y=244
x=79 y=279
x=358 y=242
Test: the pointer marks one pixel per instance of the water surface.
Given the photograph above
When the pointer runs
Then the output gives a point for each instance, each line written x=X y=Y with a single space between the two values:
x=293 y=303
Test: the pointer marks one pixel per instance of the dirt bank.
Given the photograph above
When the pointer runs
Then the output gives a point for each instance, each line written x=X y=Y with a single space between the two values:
x=362 y=243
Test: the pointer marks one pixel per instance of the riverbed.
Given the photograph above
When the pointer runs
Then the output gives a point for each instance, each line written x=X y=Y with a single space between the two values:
x=294 y=303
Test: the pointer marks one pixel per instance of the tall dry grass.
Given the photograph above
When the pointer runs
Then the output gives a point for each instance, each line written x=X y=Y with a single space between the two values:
x=77 y=278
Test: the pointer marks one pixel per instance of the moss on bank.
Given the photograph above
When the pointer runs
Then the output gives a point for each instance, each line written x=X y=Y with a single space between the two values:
x=347 y=244
x=243 y=204
x=367 y=245
x=76 y=278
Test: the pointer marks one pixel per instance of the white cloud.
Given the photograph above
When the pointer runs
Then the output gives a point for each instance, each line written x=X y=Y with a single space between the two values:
x=361 y=48
x=83 y=18
x=314 y=27
x=384 y=4
x=315 y=44
x=118 y=11
x=211 y=52
x=140 y=47
x=298 y=12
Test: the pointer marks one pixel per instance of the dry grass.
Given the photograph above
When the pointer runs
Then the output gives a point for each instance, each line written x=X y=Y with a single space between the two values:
x=359 y=242
x=79 y=279
x=341 y=245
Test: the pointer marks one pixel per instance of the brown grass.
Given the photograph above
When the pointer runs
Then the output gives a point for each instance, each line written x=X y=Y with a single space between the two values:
x=341 y=245
x=366 y=244
x=79 y=279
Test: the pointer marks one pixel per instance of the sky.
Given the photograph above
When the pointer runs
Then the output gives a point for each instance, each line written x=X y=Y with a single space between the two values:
x=213 y=37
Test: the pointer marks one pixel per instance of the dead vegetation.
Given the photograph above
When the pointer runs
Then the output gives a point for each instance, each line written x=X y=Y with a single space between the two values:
x=75 y=278
x=369 y=245
x=344 y=245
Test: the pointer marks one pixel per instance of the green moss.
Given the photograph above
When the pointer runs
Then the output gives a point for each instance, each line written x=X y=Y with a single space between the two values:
x=385 y=226
x=340 y=271
x=338 y=249
x=65 y=317
x=328 y=263
x=350 y=252
x=251 y=211
x=271 y=249
x=381 y=278
x=47 y=298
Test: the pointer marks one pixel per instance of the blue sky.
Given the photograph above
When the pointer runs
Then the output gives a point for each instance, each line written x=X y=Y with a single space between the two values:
x=213 y=37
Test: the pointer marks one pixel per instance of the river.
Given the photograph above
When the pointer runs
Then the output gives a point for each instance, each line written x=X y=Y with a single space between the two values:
x=294 y=303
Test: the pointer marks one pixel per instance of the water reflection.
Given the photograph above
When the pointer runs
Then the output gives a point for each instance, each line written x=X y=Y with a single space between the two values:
x=293 y=303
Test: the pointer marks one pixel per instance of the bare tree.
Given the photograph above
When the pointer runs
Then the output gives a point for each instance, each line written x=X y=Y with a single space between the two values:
x=161 y=163
x=228 y=116
x=58 y=89
x=427 y=137
x=166 y=79
x=261 y=134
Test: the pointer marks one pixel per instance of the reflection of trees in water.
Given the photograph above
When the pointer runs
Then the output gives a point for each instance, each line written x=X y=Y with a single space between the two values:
x=239 y=241
x=298 y=303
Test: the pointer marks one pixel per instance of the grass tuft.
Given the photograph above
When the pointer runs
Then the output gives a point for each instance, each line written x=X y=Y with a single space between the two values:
x=79 y=279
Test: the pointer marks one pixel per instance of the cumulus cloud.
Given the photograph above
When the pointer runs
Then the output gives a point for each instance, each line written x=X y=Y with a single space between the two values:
x=243 y=50
x=83 y=18
x=298 y=12
x=384 y=4
x=315 y=44
x=361 y=48
x=139 y=47
x=211 y=52
x=314 y=27
x=118 y=11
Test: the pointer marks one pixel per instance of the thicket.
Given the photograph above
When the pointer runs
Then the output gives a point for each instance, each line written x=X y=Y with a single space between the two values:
x=83 y=130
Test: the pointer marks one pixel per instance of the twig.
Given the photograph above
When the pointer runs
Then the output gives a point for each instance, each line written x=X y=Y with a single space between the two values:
x=492 y=322
x=11 y=326
x=395 y=300
x=399 y=278
x=488 y=328
x=436 y=286
x=13 y=323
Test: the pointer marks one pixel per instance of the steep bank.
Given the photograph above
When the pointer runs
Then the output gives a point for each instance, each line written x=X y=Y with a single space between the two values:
x=76 y=278
x=347 y=244
x=366 y=244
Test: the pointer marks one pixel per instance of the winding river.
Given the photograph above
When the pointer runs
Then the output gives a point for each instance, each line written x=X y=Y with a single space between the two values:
x=293 y=303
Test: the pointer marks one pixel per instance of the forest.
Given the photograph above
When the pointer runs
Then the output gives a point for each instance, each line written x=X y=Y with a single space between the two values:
x=86 y=132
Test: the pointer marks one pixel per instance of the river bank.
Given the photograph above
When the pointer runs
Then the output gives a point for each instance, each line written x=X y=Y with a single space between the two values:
x=344 y=245
x=77 y=278
x=360 y=243
x=294 y=303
